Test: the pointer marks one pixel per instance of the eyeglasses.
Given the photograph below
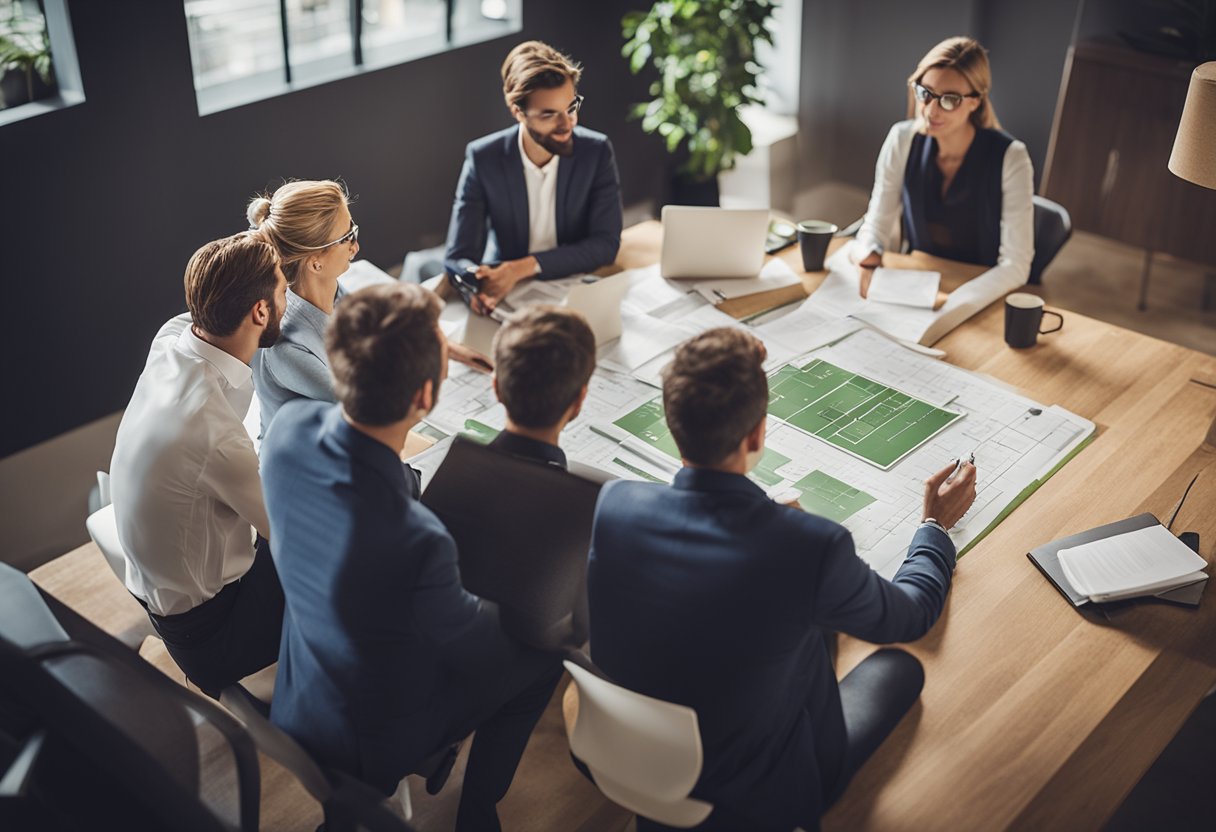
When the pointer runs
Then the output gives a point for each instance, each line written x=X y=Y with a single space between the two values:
x=351 y=237
x=948 y=100
x=547 y=116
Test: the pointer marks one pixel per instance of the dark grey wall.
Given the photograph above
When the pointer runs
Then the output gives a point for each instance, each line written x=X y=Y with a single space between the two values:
x=857 y=55
x=102 y=204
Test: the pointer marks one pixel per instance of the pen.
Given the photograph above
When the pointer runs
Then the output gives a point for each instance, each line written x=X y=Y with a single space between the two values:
x=959 y=464
x=720 y=295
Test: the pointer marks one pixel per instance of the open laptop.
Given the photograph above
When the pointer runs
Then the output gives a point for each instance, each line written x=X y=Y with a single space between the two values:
x=703 y=243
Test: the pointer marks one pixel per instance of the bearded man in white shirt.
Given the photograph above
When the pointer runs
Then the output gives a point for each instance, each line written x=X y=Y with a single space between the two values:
x=184 y=476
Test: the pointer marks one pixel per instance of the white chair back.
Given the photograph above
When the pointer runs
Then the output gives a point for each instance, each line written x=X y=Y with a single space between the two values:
x=645 y=754
x=103 y=529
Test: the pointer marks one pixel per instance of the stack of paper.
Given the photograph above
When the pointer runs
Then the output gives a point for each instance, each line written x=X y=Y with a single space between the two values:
x=1147 y=561
x=906 y=287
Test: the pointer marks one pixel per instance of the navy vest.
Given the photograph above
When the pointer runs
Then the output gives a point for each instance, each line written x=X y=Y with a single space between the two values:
x=964 y=225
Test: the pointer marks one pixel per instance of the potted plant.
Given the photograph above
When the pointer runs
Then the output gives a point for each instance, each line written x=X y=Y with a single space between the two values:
x=26 y=73
x=705 y=54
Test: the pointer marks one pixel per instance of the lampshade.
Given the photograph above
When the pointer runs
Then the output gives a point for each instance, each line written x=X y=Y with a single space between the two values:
x=1194 y=156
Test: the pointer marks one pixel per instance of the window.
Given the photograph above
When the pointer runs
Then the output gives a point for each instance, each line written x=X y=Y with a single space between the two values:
x=38 y=71
x=247 y=50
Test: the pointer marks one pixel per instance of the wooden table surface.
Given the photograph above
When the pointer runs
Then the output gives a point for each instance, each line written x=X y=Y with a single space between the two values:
x=1033 y=714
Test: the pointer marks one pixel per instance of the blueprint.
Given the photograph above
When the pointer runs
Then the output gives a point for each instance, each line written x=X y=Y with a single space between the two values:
x=1017 y=442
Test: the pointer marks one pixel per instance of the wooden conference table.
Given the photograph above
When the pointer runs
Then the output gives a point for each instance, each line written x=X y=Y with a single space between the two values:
x=1034 y=715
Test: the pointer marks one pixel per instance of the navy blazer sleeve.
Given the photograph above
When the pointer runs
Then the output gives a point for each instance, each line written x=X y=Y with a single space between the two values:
x=603 y=238
x=854 y=599
x=465 y=627
x=467 y=230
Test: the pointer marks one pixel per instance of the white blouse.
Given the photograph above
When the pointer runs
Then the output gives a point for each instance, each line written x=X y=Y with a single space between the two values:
x=880 y=230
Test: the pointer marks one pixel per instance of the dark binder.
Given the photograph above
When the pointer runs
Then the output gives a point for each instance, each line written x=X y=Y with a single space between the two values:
x=523 y=531
x=1047 y=559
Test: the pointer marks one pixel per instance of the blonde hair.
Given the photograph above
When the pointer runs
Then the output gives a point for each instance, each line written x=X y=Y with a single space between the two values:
x=297 y=219
x=533 y=65
x=968 y=58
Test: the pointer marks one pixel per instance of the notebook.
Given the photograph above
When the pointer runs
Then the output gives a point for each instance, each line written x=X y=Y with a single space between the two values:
x=1047 y=559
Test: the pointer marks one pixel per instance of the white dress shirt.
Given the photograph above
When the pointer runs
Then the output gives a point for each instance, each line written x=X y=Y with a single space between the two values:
x=184 y=477
x=542 y=200
x=880 y=231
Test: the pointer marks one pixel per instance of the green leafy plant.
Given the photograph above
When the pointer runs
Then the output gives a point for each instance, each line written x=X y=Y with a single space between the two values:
x=25 y=47
x=705 y=54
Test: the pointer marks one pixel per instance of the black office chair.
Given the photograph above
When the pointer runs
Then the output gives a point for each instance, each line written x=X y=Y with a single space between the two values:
x=94 y=737
x=348 y=803
x=1052 y=228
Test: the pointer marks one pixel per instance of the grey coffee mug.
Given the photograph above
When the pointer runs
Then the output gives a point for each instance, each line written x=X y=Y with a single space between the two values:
x=813 y=238
x=1023 y=315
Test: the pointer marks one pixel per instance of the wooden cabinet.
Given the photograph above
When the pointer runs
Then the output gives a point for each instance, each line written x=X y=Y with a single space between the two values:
x=1114 y=129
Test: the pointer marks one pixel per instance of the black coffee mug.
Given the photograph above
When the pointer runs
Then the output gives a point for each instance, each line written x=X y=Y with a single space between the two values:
x=1023 y=315
x=813 y=239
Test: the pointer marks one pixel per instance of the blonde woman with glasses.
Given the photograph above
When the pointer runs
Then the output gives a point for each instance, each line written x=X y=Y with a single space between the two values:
x=957 y=185
x=310 y=224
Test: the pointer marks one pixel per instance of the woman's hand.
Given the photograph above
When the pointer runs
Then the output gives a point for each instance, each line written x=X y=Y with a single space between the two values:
x=866 y=267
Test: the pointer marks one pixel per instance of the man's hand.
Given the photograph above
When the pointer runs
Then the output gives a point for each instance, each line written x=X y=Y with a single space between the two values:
x=498 y=280
x=467 y=355
x=947 y=502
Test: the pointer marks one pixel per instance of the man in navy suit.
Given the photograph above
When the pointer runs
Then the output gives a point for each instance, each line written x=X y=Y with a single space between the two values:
x=541 y=199
x=709 y=594
x=386 y=659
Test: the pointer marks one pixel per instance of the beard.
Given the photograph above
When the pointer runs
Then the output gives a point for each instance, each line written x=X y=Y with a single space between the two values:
x=550 y=144
x=270 y=335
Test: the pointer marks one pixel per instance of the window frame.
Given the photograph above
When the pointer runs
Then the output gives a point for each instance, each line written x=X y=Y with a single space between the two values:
x=362 y=58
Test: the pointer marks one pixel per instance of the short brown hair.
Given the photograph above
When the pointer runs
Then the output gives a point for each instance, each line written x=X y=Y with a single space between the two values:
x=535 y=66
x=714 y=393
x=384 y=345
x=542 y=358
x=226 y=278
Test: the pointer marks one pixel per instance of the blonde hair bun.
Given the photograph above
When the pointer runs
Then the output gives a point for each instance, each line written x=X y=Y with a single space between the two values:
x=258 y=211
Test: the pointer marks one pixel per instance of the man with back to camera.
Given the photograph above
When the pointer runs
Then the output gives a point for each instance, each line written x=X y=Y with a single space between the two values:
x=184 y=476
x=543 y=360
x=761 y=588
x=386 y=658
x=547 y=189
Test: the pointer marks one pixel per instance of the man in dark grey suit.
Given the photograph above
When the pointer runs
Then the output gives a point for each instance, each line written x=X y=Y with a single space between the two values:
x=540 y=199
x=709 y=594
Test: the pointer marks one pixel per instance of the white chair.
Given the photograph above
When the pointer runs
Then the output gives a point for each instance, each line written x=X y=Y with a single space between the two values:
x=644 y=754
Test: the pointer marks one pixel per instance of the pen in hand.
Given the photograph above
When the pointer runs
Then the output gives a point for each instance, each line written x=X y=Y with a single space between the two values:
x=959 y=464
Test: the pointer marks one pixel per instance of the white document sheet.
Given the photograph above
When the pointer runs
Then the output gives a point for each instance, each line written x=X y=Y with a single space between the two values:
x=907 y=287
x=776 y=274
x=642 y=338
x=649 y=291
x=1148 y=558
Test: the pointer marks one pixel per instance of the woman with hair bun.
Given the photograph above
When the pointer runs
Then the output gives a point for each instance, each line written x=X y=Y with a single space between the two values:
x=957 y=184
x=310 y=224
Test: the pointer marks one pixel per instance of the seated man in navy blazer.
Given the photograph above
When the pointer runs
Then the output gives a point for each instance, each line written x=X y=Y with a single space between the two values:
x=709 y=594
x=386 y=659
x=541 y=199
x=543 y=360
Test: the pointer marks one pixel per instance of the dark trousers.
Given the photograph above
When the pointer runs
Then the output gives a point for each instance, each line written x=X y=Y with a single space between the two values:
x=503 y=719
x=874 y=696
x=231 y=635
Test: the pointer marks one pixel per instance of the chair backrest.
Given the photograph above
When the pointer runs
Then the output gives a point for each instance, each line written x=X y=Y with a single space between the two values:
x=643 y=753
x=123 y=742
x=103 y=529
x=348 y=803
x=1052 y=228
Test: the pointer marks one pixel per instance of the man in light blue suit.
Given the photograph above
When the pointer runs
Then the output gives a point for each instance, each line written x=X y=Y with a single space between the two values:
x=709 y=594
x=541 y=199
